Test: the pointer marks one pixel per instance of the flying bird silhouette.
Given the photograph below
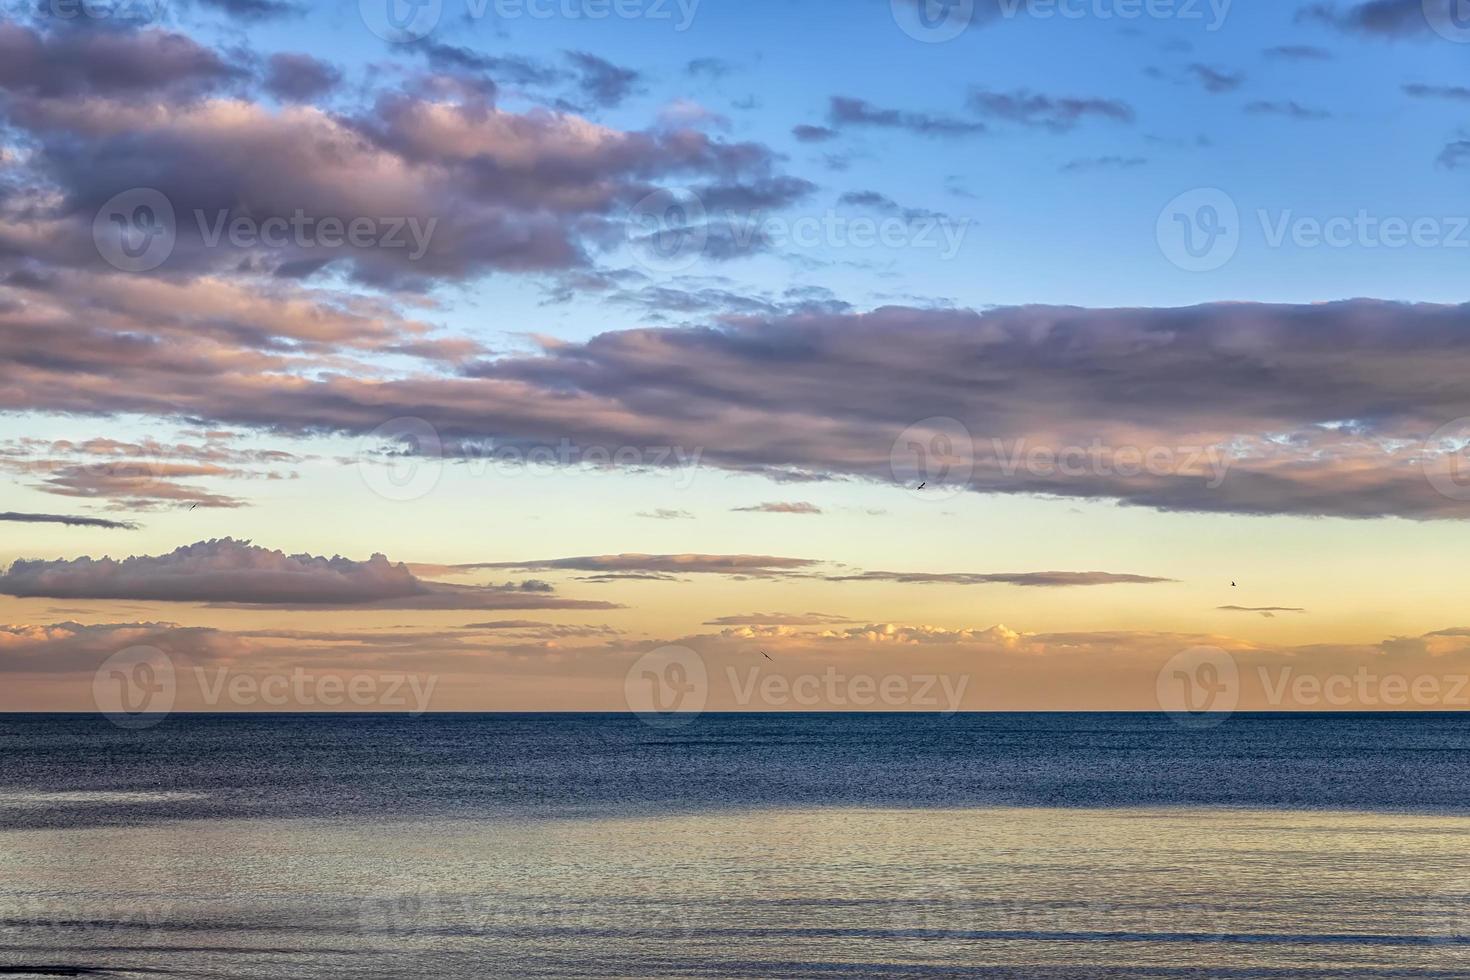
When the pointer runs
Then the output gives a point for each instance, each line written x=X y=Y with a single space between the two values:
x=767 y=656
x=922 y=485
x=192 y=506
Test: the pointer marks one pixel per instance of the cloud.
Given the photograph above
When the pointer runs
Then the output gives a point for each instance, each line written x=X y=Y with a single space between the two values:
x=73 y=647
x=79 y=63
x=844 y=112
x=1457 y=93
x=225 y=570
x=1216 y=80
x=1056 y=113
x=1269 y=612
x=805 y=133
x=1247 y=408
x=1377 y=18
x=1298 y=52
x=778 y=619
x=666 y=514
x=779 y=507
x=72 y=520
x=1028 y=579
x=300 y=77
x=743 y=565
x=1110 y=162
x=1290 y=109
x=605 y=83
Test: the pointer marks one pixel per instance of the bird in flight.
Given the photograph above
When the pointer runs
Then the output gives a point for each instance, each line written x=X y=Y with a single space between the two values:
x=1232 y=585
x=767 y=656
x=922 y=485
x=192 y=506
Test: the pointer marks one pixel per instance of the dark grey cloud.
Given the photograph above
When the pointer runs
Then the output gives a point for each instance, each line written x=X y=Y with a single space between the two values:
x=779 y=619
x=813 y=134
x=1287 y=108
x=1268 y=612
x=605 y=83
x=1028 y=579
x=1298 y=52
x=1109 y=162
x=1255 y=408
x=297 y=77
x=1456 y=93
x=1056 y=113
x=227 y=571
x=844 y=112
x=1216 y=80
x=72 y=520
x=71 y=62
x=742 y=565
x=780 y=507
x=1376 y=18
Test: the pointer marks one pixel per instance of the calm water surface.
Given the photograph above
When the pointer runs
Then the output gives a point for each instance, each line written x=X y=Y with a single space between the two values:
x=770 y=845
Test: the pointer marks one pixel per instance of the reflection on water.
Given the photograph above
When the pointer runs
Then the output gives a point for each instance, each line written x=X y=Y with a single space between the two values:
x=772 y=893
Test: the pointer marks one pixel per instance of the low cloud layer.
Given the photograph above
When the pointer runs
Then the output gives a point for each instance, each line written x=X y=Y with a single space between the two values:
x=228 y=571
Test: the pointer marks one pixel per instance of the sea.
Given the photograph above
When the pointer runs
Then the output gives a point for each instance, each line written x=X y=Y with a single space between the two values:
x=294 y=847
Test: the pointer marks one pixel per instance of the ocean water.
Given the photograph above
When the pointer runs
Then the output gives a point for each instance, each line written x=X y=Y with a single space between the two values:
x=776 y=845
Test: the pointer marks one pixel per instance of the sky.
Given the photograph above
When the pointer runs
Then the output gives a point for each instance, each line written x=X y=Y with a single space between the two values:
x=645 y=354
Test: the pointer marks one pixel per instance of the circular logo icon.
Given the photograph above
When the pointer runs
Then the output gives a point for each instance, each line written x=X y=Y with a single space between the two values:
x=135 y=230
x=1199 y=687
x=408 y=467
x=667 y=687
x=135 y=688
x=933 y=21
x=667 y=229
x=1199 y=230
x=1446 y=461
x=1450 y=19
x=933 y=459
x=400 y=21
